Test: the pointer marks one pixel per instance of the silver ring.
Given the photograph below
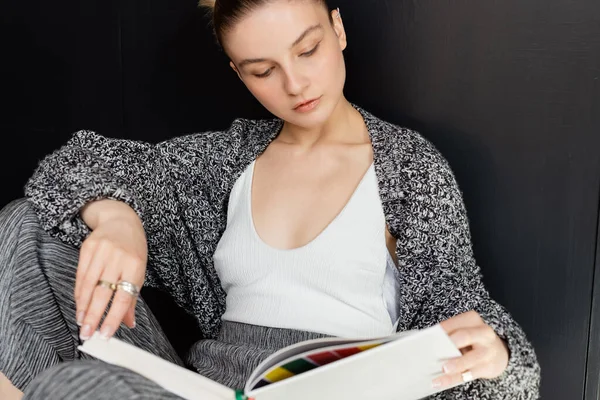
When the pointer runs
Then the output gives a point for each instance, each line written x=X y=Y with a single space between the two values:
x=129 y=288
x=467 y=376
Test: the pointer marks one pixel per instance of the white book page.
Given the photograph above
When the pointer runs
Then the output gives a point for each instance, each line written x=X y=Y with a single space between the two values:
x=399 y=370
x=172 y=377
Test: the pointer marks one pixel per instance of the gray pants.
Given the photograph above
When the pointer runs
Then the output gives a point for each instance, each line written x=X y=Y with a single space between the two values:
x=39 y=336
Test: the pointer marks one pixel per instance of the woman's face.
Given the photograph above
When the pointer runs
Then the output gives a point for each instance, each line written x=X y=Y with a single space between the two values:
x=287 y=53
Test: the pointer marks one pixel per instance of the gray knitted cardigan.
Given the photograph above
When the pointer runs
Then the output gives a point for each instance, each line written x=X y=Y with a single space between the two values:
x=180 y=189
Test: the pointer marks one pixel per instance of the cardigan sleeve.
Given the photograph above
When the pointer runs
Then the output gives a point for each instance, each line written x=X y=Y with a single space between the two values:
x=91 y=167
x=435 y=246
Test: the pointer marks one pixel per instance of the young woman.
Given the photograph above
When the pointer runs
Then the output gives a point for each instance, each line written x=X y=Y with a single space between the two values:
x=322 y=221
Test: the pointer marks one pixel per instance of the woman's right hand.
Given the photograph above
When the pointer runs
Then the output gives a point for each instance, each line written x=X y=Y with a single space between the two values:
x=116 y=250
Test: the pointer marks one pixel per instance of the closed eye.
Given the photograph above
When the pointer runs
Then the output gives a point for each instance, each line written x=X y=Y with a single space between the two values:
x=305 y=54
x=264 y=74
x=310 y=52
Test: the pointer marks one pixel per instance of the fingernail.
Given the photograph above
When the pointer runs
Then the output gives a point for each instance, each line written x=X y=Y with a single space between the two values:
x=448 y=368
x=80 y=317
x=85 y=332
x=105 y=332
x=133 y=323
x=436 y=384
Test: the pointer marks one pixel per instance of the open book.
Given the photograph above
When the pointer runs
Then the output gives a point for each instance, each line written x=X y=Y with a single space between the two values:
x=396 y=367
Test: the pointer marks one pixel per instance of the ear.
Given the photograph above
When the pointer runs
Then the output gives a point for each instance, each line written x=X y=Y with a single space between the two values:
x=232 y=65
x=338 y=27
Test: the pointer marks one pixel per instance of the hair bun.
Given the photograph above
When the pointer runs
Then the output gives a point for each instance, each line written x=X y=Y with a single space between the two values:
x=207 y=3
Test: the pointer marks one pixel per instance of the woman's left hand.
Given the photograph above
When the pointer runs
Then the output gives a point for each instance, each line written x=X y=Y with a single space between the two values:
x=484 y=354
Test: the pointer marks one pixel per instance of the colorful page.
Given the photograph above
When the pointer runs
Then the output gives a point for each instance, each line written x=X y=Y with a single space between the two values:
x=400 y=369
x=309 y=360
x=172 y=377
x=299 y=349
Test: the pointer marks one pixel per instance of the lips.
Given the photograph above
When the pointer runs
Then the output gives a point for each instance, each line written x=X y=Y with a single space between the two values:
x=305 y=103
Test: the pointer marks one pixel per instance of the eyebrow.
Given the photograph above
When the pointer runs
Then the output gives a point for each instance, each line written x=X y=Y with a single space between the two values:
x=247 y=61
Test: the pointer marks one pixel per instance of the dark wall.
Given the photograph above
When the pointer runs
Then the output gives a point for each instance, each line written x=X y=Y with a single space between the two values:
x=508 y=91
x=592 y=387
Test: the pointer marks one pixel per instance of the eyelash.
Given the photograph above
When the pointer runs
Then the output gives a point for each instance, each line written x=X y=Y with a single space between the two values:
x=311 y=52
x=264 y=74
x=305 y=54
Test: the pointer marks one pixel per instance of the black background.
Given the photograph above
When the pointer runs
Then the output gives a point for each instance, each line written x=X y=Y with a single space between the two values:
x=508 y=91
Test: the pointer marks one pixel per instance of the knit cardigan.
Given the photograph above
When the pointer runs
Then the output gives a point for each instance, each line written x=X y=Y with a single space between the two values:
x=180 y=189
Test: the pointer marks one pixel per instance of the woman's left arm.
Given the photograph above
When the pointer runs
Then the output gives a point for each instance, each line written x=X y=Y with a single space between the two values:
x=435 y=248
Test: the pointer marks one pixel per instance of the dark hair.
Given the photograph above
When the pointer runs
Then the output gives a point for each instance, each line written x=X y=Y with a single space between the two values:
x=226 y=13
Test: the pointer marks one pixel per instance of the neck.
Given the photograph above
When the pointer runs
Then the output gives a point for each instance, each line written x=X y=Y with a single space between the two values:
x=340 y=127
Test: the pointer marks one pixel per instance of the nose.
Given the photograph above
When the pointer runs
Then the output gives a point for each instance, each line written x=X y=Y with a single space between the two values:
x=295 y=82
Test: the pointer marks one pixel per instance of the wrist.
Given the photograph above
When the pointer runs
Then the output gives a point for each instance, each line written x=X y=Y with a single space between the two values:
x=100 y=211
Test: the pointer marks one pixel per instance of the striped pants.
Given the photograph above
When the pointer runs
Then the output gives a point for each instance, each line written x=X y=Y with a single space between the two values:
x=39 y=336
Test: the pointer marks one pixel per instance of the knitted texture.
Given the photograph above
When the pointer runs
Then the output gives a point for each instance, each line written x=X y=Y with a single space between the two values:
x=180 y=189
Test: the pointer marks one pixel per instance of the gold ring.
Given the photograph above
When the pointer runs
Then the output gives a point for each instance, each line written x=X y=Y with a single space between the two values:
x=128 y=287
x=108 y=285
x=467 y=376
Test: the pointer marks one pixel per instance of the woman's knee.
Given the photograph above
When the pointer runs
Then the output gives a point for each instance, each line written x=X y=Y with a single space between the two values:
x=16 y=208
x=13 y=215
x=21 y=231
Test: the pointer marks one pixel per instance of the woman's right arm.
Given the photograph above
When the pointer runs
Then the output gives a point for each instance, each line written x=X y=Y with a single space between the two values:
x=105 y=196
x=92 y=167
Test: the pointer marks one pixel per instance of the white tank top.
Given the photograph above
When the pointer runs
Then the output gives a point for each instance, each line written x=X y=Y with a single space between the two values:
x=342 y=283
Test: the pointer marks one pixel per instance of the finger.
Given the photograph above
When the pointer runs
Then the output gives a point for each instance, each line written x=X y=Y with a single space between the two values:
x=122 y=301
x=85 y=257
x=468 y=361
x=450 y=380
x=129 y=319
x=90 y=280
x=482 y=335
x=120 y=304
x=467 y=319
x=100 y=299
